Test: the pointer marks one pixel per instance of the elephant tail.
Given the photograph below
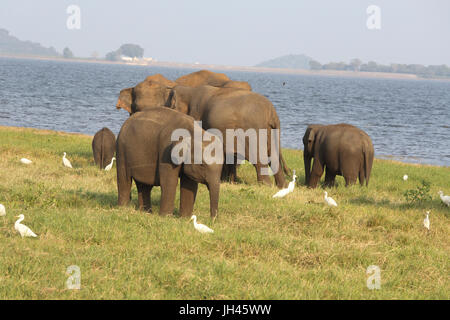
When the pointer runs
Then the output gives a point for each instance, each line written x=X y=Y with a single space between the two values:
x=102 y=149
x=286 y=170
x=275 y=124
x=368 y=160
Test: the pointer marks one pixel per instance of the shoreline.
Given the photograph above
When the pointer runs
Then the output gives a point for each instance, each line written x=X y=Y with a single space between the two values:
x=39 y=131
x=217 y=67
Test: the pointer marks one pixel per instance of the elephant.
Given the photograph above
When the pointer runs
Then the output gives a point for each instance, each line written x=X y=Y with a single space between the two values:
x=151 y=92
x=103 y=147
x=203 y=77
x=155 y=90
x=341 y=149
x=144 y=154
x=229 y=108
x=215 y=79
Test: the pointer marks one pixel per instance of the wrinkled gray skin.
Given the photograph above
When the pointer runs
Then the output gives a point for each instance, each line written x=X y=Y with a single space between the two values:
x=103 y=147
x=340 y=149
x=144 y=149
x=229 y=108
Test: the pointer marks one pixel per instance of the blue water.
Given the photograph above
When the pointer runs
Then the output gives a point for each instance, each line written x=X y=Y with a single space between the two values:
x=408 y=120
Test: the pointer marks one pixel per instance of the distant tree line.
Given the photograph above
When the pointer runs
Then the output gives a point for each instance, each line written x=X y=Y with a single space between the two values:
x=127 y=50
x=371 y=66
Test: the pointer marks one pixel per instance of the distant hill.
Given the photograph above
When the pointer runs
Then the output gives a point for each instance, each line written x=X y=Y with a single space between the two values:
x=292 y=61
x=10 y=45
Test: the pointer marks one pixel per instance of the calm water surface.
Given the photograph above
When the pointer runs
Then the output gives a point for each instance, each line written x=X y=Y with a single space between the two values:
x=408 y=120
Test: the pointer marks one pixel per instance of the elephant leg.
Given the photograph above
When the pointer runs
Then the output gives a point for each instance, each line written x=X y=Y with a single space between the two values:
x=316 y=173
x=361 y=176
x=144 y=196
x=124 y=187
x=169 y=181
x=350 y=178
x=188 y=192
x=280 y=179
x=262 y=178
x=229 y=173
x=330 y=178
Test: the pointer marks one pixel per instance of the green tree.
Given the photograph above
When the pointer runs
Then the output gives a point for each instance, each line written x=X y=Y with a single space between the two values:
x=131 y=50
x=314 y=65
x=67 y=53
x=355 y=64
x=112 y=56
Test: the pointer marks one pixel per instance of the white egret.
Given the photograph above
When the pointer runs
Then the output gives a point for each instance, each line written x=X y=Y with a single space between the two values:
x=285 y=191
x=2 y=210
x=25 y=161
x=23 y=229
x=405 y=177
x=201 y=227
x=109 y=166
x=330 y=201
x=426 y=221
x=445 y=199
x=66 y=161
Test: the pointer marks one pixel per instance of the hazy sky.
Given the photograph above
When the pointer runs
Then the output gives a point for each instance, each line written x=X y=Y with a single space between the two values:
x=240 y=32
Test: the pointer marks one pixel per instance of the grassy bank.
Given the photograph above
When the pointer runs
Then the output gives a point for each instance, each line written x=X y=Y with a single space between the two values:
x=262 y=248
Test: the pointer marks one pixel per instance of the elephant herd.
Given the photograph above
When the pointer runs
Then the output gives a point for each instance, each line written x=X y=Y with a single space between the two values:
x=158 y=107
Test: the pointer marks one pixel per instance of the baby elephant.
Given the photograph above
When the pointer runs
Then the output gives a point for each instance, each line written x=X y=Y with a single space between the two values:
x=341 y=149
x=145 y=154
x=103 y=147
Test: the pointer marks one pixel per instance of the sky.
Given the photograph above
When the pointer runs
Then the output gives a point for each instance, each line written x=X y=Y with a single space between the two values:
x=240 y=32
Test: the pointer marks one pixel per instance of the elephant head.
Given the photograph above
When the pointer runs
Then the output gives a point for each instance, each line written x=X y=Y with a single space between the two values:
x=125 y=99
x=180 y=99
x=153 y=91
x=308 y=150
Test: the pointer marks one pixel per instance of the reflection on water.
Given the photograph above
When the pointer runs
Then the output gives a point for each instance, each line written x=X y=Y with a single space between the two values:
x=407 y=119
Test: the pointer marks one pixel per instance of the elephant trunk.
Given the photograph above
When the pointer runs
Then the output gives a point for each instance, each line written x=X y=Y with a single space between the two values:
x=307 y=161
x=214 y=190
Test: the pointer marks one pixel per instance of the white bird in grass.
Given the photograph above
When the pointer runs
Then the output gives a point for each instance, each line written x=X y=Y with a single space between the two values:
x=285 y=191
x=426 y=221
x=405 y=177
x=66 y=161
x=25 y=161
x=201 y=227
x=329 y=200
x=2 y=210
x=445 y=199
x=109 y=166
x=23 y=229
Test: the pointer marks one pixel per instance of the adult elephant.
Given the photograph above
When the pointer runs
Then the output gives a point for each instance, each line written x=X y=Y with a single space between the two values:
x=152 y=92
x=215 y=79
x=229 y=108
x=103 y=147
x=155 y=89
x=341 y=149
x=144 y=154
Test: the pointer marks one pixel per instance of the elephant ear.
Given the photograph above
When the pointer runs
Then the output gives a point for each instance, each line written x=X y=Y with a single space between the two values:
x=308 y=139
x=178 y=103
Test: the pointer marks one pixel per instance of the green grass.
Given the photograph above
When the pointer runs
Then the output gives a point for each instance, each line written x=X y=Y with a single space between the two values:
x=262 y=248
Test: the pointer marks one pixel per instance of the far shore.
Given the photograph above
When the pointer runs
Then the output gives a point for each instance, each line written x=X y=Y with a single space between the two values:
x=83 y=135
x=180 y=65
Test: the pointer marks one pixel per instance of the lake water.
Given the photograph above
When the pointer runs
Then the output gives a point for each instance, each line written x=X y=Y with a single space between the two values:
x=408 y=120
